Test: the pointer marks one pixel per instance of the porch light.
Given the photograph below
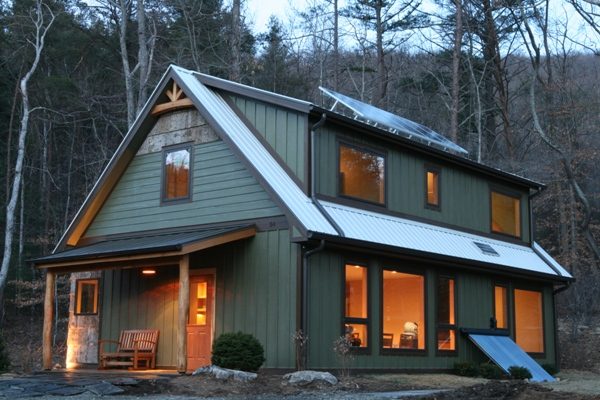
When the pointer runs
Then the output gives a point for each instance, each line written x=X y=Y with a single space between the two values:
x=148 y=271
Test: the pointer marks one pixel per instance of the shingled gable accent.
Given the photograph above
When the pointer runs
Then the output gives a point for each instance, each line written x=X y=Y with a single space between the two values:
x=142 y=126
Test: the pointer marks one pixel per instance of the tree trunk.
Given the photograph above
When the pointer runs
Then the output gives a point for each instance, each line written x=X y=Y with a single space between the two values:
x=143 y=58
x=336 y=51
x=236 y=42
x=456 y=56
x=381 y=68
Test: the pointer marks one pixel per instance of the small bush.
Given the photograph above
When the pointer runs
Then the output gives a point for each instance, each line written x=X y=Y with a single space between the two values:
x=550 y=368
x=491 y=371
x=466 y=369
x=4 y=359
x=517 y=372
x=239 y=351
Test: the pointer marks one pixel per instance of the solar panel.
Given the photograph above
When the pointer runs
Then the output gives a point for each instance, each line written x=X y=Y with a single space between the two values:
x=393 y=123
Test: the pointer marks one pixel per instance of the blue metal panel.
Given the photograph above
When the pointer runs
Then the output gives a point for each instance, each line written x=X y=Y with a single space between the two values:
x=506 y=353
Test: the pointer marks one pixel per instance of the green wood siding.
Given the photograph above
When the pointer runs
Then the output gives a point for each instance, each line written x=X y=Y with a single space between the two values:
x=223 y=190
x=255 y=293
x=474 y=296
x=465 y=196
x=284 y=130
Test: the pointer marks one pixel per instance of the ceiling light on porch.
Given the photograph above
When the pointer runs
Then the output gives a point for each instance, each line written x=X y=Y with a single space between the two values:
x=148 y=271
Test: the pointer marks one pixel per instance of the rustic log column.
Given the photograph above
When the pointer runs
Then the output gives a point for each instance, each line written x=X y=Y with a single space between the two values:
x=48 y=317
x=184 y=307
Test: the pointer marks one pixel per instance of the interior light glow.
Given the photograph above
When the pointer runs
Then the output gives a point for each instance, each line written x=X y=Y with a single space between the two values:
x=148 y=271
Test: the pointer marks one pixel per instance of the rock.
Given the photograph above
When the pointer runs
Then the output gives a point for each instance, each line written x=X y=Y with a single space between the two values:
x=104 y=388
x=306 y=377
x=125 y=381
x=225 y=373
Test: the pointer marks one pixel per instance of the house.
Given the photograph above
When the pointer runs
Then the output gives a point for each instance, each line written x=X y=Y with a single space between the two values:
x=229 y=208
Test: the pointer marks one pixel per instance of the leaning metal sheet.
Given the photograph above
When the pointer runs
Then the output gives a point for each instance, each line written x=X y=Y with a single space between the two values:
x=506 y=353
x=394 y=123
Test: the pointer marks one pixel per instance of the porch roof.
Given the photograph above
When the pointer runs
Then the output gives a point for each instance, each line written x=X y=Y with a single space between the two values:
x=145 y=246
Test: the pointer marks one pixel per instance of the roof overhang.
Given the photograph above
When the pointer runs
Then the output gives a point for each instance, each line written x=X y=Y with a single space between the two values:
x=155 y=250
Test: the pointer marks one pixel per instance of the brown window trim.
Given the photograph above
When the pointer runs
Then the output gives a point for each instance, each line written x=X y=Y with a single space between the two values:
x=438 y=171
x=366 y=149
x=353 y=320
x=515 y=195
x=96 y=294
x=445 y=326
x=169 y=149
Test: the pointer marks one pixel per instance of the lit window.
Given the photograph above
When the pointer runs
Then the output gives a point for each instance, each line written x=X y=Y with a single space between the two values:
x=198 y=303
x=176 y=175
x=432 y=195
x=500 y=307
x=529 y=329
x=86 y=294
x=446 y=334
x=356 y=314
x=506 y=214
x=403 y=310
x=362 y=174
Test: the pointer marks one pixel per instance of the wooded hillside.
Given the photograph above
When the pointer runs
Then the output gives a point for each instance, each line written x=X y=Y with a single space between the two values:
x=508 y=81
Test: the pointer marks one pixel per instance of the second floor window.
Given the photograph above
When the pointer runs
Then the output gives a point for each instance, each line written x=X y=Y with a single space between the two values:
x=506 y=214
x=177 y=173
x=362 y=174
x=432 y=182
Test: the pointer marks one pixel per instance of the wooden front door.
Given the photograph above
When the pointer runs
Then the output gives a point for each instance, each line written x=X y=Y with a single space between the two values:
x=199 y=328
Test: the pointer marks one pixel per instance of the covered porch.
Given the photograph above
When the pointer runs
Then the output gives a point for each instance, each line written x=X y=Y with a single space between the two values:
x=130 y=257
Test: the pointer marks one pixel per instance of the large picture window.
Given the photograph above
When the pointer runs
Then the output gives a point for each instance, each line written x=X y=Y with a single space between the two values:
x=361 y=174
x=446 y=314
x=86 y=295
x=529 y=321
x=403 y=310
x=506 y=214
x=177 y=173
x=356 y=305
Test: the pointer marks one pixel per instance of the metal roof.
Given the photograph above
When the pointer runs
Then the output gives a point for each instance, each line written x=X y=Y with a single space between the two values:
x=505 y=353
x=137 y=245
x=407 y=234
x=232 y=127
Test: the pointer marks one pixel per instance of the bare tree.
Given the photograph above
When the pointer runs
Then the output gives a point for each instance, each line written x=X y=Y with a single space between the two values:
x=456 y=53
x=42 y=18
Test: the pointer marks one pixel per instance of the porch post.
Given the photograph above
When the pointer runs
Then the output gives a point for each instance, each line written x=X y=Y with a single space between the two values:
x=184 y=307
x=48 y=316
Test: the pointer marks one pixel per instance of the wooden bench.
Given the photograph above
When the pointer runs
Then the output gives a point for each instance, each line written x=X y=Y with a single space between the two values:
x=134 y=348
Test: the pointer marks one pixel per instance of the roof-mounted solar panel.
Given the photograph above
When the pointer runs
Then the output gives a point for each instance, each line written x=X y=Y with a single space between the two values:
x=393 y=123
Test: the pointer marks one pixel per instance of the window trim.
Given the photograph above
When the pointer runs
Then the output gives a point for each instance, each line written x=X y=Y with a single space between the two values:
x=390 y=266
x=189 y=146
x=438 y=325
x=366 y=149
x=354 y=320
x=77 y=304
x=509 y=193
x=514 y=317
x=438 y=171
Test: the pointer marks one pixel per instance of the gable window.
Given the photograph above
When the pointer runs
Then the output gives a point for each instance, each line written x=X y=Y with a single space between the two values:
x=361 y=174
x=86 y=295
x=506 y=214
x=355 y=304
x=446 y=314
x=432 y=187
x=177 y=173
x=529 y=321
x=500 y=307
x=403 y=310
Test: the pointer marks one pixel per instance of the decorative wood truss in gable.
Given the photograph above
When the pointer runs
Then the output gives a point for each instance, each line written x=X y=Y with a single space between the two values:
x=177 y=101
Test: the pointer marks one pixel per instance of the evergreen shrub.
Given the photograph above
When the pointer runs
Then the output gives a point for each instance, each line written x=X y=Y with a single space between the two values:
x=466 y=369
x=240 y=351
x=517 y=372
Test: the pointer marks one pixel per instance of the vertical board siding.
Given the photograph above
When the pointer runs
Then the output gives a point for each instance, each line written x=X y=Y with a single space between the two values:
x=223 y=190
x=284 y=130
x=131 y=301
x=474 y=307
x=465 y=196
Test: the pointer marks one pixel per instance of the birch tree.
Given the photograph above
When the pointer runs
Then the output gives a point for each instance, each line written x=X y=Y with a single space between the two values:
x=42 y=18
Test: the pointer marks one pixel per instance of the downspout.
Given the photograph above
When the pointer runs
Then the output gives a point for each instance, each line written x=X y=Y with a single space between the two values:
x=556 y=291
x=305 y=278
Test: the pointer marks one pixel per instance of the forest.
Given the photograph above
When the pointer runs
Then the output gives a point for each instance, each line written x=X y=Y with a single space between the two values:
x=515 y=82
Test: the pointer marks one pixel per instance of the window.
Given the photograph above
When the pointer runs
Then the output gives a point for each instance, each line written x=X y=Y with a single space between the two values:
x=500 y=307
x=446 y=319
x=403 y=310
x=506 y=214
x=86 y=295
x=529 y=328
x=432 y=187
x=177 y=173
x=355 y=304
x=362 y=174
